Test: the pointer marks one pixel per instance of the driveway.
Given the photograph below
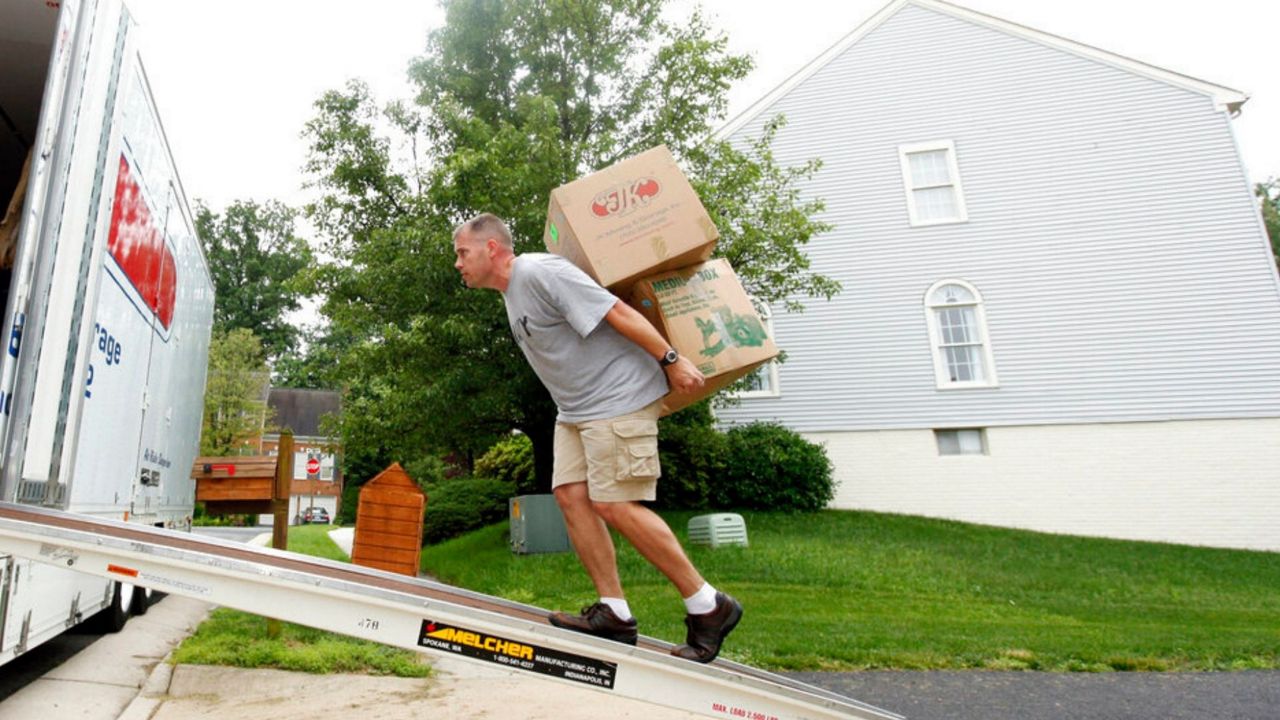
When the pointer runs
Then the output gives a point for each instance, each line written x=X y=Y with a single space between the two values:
x=980 y=695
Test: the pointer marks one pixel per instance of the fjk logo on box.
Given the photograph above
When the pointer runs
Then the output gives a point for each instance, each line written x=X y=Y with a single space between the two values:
x=625 y=198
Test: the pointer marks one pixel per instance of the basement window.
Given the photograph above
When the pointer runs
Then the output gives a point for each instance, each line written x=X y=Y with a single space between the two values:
x=969 y=441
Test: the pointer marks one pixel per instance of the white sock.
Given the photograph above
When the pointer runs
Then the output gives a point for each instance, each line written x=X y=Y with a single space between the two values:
x=619 y=607
x=701 y=602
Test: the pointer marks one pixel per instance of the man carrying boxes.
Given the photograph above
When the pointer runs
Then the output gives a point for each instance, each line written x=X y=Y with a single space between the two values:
x=639 y=229
x=609 y=369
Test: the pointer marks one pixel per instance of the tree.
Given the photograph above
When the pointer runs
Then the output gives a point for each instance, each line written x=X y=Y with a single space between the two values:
x=515 y=98
x=1269 y=199
x=319 y=365
x=254 y=256
x=235 y=394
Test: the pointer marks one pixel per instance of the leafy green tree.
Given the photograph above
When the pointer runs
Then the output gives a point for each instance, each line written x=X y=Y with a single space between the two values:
x=319 y=365
x=235 y=397
x=254 y=256
x=515 y=98
x=764 y=221
x=1269 y=199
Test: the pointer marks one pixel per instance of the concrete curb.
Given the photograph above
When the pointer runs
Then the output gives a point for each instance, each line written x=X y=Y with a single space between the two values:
x=152 y=693
x=155 y=689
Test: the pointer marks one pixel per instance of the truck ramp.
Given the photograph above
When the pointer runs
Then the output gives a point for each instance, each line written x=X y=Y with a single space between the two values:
x=412 y=613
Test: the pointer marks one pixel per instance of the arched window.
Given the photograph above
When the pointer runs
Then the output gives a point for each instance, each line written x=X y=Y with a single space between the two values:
x=962 y=355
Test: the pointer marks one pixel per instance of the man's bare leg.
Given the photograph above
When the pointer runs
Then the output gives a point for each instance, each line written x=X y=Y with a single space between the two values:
x=651 y=536
x=590 y=537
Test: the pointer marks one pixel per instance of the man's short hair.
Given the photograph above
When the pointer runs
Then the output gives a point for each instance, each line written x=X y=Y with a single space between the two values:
x=485 y=226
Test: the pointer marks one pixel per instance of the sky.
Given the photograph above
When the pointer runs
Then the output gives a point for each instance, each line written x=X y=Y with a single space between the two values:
x=235 y=80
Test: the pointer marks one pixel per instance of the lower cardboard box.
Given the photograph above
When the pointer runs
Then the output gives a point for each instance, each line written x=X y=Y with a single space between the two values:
x=707 y=316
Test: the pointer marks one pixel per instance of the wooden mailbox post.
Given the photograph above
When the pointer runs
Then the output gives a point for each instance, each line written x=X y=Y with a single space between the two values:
x=249 y=484
x=389 y=523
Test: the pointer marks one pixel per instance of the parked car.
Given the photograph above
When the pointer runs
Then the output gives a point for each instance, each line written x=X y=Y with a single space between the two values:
x=315 y=515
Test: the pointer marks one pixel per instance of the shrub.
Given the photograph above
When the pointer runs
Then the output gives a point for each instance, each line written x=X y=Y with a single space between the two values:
x=350 y=504
x=426 y=471
x=769 y=467
x=692 y=453
x=201 y=517
x=458 y=506
x=510 y=460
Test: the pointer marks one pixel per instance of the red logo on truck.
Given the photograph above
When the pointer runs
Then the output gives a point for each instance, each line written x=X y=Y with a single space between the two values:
x=625 y=198
x=139 y=249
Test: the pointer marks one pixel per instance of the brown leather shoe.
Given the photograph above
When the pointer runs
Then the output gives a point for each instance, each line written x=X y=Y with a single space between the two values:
x=598 y=620
x=707 y=631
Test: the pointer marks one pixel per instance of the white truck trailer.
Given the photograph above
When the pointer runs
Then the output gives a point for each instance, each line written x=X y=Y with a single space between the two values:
x=108 y=304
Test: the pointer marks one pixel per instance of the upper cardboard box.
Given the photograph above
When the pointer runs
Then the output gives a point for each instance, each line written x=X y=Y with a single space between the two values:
x=632 y=219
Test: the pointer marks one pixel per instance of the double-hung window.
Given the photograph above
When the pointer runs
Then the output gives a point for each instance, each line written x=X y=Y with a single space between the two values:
x=932 y=181
x=763 y=381
x=962 y=355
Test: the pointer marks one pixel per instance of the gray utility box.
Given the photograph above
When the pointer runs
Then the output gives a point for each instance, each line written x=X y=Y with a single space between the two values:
x=718 y=529
x=537 y=526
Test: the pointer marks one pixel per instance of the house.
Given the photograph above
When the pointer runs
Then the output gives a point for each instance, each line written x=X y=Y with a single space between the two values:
x=302 y=412
x=1060 y=310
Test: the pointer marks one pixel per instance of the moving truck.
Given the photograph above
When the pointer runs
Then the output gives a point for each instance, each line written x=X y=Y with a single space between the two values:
x=108 y=303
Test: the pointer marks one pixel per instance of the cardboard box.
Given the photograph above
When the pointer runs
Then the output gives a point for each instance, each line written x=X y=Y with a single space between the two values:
x=632 y=219
x=706 y=315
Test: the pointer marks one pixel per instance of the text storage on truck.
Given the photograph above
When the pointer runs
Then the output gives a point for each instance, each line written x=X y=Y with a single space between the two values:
x=108 y=302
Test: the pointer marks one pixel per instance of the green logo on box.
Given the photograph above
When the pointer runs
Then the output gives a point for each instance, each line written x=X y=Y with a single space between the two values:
x=555 y=233
x=729 y=329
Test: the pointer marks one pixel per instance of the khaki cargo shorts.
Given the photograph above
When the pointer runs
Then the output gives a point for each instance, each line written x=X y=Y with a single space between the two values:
x=616 y=457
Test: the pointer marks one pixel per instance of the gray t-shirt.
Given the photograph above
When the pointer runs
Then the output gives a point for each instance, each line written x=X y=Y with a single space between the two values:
x=557 y=314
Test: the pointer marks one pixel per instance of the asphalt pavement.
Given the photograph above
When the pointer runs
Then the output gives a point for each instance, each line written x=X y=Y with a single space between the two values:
x=983 y=695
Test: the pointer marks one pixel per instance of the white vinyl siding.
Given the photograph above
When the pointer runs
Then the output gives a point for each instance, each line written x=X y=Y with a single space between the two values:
x=931 y=177
x=1111 y=231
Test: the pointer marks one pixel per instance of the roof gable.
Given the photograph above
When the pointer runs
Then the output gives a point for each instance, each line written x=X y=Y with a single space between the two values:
x=1226 y=98
x=301 y=411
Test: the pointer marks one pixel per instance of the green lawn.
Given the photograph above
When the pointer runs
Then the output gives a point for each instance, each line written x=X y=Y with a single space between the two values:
x=314 y=540
x=852 y=590
x=231 y=637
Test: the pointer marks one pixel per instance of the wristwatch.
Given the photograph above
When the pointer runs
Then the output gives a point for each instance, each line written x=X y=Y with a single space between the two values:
x=669 y=358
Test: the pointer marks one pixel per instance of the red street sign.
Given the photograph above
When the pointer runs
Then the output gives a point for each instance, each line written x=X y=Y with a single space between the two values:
x=313 y=466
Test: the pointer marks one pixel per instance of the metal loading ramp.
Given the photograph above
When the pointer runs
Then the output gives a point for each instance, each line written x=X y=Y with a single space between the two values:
x=410 y=613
